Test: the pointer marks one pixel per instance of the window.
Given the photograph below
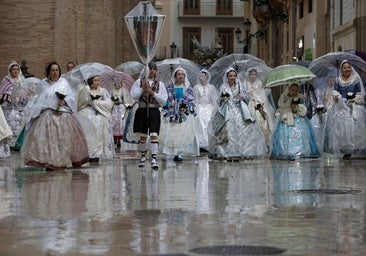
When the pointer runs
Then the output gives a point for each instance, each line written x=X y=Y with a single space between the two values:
x=310 y=6
x=341 y=12
x=224 y=7
x=188 y=46
x=227 y=37
x=301 y=10
x=191 y=7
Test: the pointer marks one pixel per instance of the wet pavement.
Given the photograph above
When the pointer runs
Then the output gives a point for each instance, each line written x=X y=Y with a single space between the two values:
x=198 y=207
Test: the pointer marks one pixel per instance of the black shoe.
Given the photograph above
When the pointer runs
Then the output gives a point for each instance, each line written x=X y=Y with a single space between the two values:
x=142 y=161
x=178 y=158
x=347 y=157
x=154 y=164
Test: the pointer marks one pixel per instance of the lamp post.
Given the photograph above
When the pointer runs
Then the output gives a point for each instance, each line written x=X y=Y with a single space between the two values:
x=247 y=40
x=173 y=49
x=240 y=41
x=247 y=26
x=301 y=49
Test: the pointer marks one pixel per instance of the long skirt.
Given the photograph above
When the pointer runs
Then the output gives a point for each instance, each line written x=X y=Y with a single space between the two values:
x=293 y=141
x=55 y=140
x=345 y=129
x=234 y=137
x=179 y=138
x=100 y=143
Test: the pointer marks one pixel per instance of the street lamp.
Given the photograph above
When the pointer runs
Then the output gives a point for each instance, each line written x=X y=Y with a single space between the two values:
x=173 y=49
x=247 y=26
x=247 y=40
x=301 y=49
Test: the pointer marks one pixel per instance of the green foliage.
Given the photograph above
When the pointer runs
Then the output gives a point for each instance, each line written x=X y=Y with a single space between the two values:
x=205 y=56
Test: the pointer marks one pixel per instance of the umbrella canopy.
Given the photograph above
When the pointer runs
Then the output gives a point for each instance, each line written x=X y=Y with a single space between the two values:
x=304 y=63
x=360 y=54
x=130 y=67
x=26 y=88
x=243 y=67
x=327 y=63
x=145 y=26
x=110 y=79
x=81 y=73
x=166 y=68
x=234 y=60
x=286 y=74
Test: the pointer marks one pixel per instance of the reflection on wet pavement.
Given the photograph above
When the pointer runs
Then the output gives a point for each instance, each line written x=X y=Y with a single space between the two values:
x=198 y=207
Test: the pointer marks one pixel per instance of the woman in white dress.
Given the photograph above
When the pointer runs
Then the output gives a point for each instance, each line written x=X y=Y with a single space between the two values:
x=346 y=120
x=259 y=102
x=206 y=96
x=233 y=131
x=54 y=137
x=6 y=135
x=122 y=103
x=94 y=102
x=12 y=107
x=177 y=131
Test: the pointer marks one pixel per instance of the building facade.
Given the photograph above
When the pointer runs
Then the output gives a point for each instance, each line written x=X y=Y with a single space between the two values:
x=277 y=31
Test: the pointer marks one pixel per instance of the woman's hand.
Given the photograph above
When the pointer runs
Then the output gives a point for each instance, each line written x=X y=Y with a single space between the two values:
x=61 y=102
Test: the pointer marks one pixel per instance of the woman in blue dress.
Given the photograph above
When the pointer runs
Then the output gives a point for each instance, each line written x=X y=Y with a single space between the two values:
x=178 y=127
x=293 y=136
x=233 y=130
x=346 y=121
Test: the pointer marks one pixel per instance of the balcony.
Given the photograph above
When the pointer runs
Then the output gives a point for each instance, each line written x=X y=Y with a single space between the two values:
x=209 y=10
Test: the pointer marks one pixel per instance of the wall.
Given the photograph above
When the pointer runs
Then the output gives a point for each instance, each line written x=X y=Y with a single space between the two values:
x=82 y=31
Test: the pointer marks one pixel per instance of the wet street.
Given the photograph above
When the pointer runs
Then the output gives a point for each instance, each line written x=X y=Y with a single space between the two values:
x=198 y=207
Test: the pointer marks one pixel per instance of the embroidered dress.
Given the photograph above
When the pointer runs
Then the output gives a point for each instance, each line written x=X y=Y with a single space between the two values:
x=12 y=107
x=99 y=113
x=206 y=96
x=260 y=105
x=346 y=121
x=122 y=101
x=54 y=137
x=293 y=136
x=6 y=135
x=177 y=130
x=314 y=110
x=233 y=132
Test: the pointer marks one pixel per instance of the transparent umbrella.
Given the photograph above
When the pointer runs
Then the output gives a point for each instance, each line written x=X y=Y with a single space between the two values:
x=26 y=88
x=236 y=61
x=304 y=63
x=360 y=54
x=81 y=73
x=244 y=66
x=166 y=68
x=286 y=74
x=325 y=64
x=130 y=67
x=111 y=78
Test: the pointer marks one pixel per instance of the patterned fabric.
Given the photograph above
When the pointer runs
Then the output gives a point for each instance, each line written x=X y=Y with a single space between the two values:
x=206 y=100
x=99 y=114
x=184 y=103
x=13 y=110
x=233 y=131
x=54 y=138
x=346 y=120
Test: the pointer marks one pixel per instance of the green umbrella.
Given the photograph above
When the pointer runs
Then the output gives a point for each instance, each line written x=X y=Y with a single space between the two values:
x=286 y=74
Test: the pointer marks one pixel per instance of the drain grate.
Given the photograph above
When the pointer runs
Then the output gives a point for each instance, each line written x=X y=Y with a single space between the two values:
x=328 y=191
x=175 y=254
x=238 y=250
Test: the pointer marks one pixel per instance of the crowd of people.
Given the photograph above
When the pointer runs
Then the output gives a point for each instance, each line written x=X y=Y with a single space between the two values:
x=59 y=127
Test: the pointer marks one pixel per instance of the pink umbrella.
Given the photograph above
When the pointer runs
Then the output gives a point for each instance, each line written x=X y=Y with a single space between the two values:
x=113 y=78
